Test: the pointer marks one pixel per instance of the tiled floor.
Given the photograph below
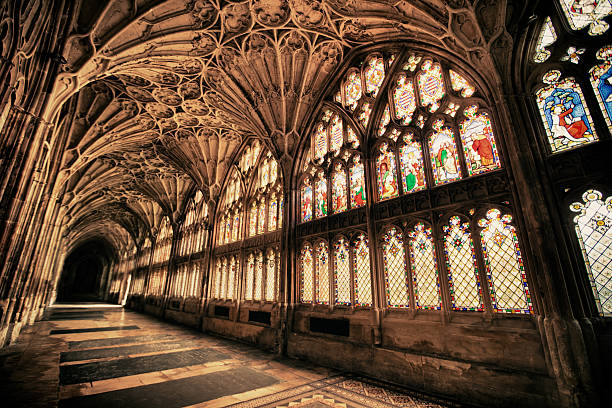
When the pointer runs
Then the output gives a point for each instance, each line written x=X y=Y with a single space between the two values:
x=102 y=356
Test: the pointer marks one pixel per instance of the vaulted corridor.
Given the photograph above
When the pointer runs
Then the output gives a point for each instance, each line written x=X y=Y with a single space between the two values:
x=100 y=355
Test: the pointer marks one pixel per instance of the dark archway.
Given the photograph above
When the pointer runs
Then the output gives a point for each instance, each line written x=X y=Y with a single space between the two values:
x=84 y=277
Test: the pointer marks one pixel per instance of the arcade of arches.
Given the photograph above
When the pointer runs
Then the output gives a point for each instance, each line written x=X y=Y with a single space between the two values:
x=418 y=191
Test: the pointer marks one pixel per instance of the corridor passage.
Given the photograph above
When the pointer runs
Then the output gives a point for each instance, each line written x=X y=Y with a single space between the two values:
x=99 y=355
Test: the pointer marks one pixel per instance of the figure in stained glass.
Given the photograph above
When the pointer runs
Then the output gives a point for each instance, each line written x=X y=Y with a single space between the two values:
x=321 y=197
x=564 y=112
x=478 y=141
x=358 y=195
x=387 y=182
x=306 y=202
x=272 y=214
x=601 y=79
x=339 y=198
x=443 y=153
x=411 y=162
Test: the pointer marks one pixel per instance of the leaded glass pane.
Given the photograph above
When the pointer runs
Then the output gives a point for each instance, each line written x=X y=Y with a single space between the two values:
x=272 y=214
x=307 y=270
x=253 y=220
x=236 y=227
x=231 y=278
x=594 y=229
x=424 y=268
x=396 y=276
x=352 y=90
x=228 y=229
x=342 y=273
x=547 y=37
x=248 y=279
x=280 y=211
x=361 y=266
x=411 y=165
x=270 y=273
x=460 y=84
x=320 y=141
x=322 y=274
x=224 y=280
x=465 y=287
x=443 y=152
x=335 y=134
x=351 y=136
x=357 y=178
x=602 y=83
x=321 y=197
x=339 y=199
x=306 y=202
x=384 y=121
x=259 y=265
x=583 y=13
x=386 y=173
x=218 y=278
x=431 y=85
x=504 y=264
x=478 y=142
x=564 y=113
x=374 y=75
x=261 y=218
x=222 y=232
x=404 y=100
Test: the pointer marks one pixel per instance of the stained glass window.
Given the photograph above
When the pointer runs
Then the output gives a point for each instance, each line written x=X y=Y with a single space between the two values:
x=231 y=278
x=564 y=113
x=321 y=197
x=394 y=260
x=335 y=133
x=322 y=273
x=460 y=84
x=218 y=277
x=431 y=85
x=306 y=201
x=250 y=275
x=443 y=152
x=357 y=178
x=342 y=273
x=223 y=290
x=222 y=232
x=280 y=212
x=261 y=218
x=547 y=37
x=602 y=83
x=361 y=266
x=253 y=220
x=504 y=264
x=424 y=268
x=404 y=99
x=364 y=114
x=351 y=136
x=594 y=230
x=307 y=271
x=411 y=165
x=374 y=75
x=228 y=229
x=352 y=90
x=339 y=199
x=272 y=213
x=479 y=145
x=384 y=121
x=465 y=286
x=259 y=277
x=270 y=273
x=320 y=141
x=386 y=175
x=583 y=13
x=236 y=227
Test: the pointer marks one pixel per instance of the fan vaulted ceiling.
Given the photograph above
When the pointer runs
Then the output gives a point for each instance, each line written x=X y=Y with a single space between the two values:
x=157 y=96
